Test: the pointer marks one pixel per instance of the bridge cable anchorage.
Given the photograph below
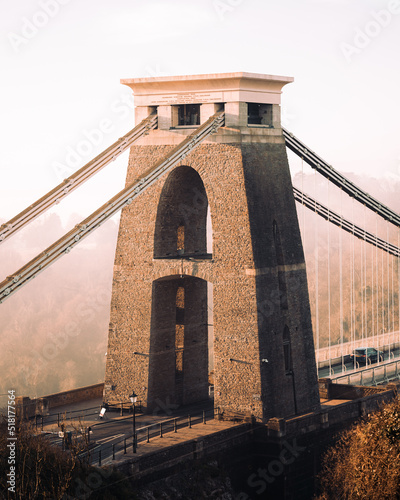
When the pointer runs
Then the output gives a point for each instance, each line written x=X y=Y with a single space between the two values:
x=66 y=187
x=338 y=179
x=344 y=224
x=110 y=208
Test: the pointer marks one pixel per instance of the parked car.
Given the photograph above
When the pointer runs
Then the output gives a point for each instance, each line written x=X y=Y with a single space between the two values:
x=366 y=355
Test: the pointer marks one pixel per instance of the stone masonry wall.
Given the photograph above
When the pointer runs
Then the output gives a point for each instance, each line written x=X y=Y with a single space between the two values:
x=248 y=188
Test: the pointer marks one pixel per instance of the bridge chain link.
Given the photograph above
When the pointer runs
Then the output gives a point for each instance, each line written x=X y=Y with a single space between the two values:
x=126 y=196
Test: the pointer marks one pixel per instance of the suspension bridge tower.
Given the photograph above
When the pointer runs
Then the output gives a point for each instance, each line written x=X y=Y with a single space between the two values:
x=209 y=268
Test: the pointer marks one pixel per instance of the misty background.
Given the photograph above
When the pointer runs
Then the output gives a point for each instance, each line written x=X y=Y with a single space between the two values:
x=54 y=331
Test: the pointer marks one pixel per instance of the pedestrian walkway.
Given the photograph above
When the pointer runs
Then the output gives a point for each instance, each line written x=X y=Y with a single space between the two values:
x=169 y=439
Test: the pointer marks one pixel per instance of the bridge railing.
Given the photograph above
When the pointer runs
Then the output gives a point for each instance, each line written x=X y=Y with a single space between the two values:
x=83 y=413
x=107 y=451
x=386 y=342
x=375 y=375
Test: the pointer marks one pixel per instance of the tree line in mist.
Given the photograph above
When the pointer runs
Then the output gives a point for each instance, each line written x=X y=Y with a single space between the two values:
x=53 y=332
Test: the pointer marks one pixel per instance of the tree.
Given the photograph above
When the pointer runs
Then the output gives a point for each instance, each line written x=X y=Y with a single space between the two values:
x=44 y=471
x=365 y=462
x=41 y=470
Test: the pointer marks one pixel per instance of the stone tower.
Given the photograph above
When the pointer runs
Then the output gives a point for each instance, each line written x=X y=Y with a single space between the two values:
x=218 y=233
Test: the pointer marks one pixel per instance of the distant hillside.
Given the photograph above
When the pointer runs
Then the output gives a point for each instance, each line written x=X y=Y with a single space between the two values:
x=53 y=332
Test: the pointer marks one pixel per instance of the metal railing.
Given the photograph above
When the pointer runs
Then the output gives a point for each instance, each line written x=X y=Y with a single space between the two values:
x=373 y=375
x=387 y=342
x=98 y=453
x=60 y=417
x=82 y=413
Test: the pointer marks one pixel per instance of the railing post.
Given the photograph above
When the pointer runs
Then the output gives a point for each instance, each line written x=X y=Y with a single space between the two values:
x=42 y=421
x=125 y=446
x=113 y=451
x=58 y=420
x=100 y=455
x=122 y=412
x=204 y=417
x=175 y=424
x=189 y=421
x=161 y=435
x=148 y=434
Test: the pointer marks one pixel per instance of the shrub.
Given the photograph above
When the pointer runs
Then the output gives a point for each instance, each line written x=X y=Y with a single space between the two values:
x=365 y=462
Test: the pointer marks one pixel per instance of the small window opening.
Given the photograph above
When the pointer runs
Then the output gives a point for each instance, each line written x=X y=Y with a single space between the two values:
x=188 y=114
x=287 y=354
x=259 y=114
x=180 y=243
x=281 y=272
x=179 y=331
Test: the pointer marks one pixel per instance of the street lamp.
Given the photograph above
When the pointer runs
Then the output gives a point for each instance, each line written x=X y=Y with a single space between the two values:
x=133 y=398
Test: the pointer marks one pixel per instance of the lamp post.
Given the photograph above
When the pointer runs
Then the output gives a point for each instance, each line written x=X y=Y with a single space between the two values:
x=133 y=398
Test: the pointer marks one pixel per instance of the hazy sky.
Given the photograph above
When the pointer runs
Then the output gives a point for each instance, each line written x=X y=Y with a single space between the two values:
x=62 y=60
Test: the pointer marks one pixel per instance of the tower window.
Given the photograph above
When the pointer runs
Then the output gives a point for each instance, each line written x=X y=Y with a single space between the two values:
x=259 y=114
x=180 y=244
x=179 y=333
x=188 y=115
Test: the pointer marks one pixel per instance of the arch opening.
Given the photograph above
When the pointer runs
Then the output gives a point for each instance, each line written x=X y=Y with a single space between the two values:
x=183 y=226
x=179 y=363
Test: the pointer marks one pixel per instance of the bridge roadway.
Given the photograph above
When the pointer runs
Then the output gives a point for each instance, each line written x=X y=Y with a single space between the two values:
x=110 y=431
x=381 y=342
x=371 y=375
x=348 y=365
